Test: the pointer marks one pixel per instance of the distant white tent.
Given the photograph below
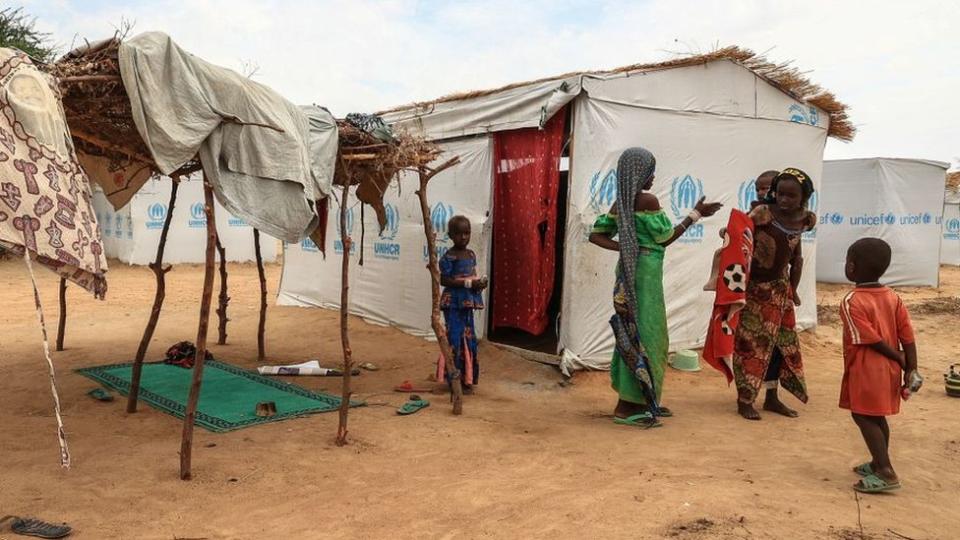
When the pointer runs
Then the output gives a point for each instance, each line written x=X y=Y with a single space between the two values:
x=950 y=240
x=714 y=123
x=132 y=233
x=899 y=200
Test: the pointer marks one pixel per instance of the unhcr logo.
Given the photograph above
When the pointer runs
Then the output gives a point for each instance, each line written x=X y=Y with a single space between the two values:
x=156 y=214
x=685 y=191
x=746 y=195
x=387 y=247
x=439 y=216
x=813 y=204
x=308 y=245
x=234 y=221
x=603 y=192
x=951 y=229
x=804 y=115
x=338 y=242
x=198 y=218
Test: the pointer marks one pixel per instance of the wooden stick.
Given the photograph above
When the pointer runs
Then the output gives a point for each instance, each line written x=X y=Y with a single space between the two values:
x=161 y=273
x=62 y=326
x=186 y=443
x=261 y=347
x=97 y=141
x=344 y=310
x=439 y=330
x=223 y=299
x=359 y=157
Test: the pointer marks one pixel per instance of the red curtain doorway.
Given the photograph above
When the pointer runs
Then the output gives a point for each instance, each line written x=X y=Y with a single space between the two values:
x=526 y=185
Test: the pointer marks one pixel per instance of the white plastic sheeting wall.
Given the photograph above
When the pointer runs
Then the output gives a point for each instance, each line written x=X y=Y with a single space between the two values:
x=898 y=200
x=717 y=155
x=393 y=285
x=950 y=239
x=132 y=233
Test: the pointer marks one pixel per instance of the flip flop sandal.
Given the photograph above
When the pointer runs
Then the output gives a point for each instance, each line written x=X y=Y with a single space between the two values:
x=266 y=409
x=665 y=412
x=100 y=394
x=413 y=406
x=369 y=366
x=35 y=527
x=863 y=469
x=644 y=420
x=874 y=484
x=407 y=386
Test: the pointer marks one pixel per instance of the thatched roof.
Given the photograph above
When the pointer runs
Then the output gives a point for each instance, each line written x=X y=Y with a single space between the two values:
x=784 y=77
x=101 y=122
x=953 y=180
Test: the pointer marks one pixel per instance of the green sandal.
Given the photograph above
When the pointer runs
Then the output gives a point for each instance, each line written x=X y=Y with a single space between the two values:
x=644 y=420
x=413 y=406
x=864 y=469
x=875 y=484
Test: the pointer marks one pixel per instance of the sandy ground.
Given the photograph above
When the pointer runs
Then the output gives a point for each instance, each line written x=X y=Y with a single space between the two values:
x=529 y=459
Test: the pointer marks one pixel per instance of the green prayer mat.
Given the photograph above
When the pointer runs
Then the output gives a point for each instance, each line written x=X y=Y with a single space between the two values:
x=228 y=396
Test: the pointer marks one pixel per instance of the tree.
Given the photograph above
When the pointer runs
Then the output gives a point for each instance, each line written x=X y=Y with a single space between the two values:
x=17 y=30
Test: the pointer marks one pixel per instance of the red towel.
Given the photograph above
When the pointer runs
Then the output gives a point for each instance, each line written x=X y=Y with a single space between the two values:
x=731 y=275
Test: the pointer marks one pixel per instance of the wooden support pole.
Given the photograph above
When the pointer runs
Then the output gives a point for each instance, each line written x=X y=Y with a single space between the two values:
x=261 y=346
x=439 y=330
x=62 y=326
x=161 y=274
x=223 y=299
x=344 y=310
x=186 y=442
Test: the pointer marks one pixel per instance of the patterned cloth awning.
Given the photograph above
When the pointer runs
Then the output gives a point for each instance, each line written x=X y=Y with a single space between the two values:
x=45 y=203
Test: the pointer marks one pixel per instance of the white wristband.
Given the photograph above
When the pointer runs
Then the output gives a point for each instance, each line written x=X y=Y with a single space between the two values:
x=694 y=216
x=468 y=284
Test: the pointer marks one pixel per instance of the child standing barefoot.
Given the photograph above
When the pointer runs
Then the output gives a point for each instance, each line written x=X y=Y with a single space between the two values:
x=461 y=297
x=875 y=325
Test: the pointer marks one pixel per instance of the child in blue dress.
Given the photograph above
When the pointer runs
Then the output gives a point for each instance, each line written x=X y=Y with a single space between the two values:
x=461 y=297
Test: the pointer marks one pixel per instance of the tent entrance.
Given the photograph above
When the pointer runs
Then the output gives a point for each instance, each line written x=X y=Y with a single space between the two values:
x=529 y=217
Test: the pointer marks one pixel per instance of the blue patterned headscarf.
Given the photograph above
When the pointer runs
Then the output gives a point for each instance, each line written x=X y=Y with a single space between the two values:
x=634 y=168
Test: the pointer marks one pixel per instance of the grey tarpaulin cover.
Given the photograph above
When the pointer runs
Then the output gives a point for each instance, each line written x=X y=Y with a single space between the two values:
x=254 y=144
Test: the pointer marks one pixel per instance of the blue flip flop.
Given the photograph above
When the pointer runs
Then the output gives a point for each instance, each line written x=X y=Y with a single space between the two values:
x=413 y=406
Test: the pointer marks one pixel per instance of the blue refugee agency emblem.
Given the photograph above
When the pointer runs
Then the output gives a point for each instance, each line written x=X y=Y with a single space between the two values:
x=684 y=194
x=603 y=191
x=439 y=216
x=392 y=227
x=746 y=194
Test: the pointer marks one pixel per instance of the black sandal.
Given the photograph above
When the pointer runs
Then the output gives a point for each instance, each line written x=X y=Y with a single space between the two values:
x=35 y=527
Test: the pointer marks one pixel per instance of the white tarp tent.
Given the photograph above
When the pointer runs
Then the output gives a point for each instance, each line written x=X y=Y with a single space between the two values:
x=898 y=200
x=714 y=126
x=132 y=233
x=950 y=240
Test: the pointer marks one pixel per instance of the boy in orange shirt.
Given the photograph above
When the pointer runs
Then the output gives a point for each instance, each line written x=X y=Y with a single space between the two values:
x=877 y=373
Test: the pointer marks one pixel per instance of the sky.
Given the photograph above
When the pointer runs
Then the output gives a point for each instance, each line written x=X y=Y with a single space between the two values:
x=896 y=64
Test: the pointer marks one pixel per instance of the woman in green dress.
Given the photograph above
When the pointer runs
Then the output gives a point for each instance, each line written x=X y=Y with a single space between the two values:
x=640 y=316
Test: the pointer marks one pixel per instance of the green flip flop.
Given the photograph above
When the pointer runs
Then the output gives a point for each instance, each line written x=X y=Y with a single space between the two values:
x=413 y=406
x=100 y=394
x=863 y=469
x=874 y=484
x=644 y=420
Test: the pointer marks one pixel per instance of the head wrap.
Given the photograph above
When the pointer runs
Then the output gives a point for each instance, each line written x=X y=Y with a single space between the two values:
x=791 y=173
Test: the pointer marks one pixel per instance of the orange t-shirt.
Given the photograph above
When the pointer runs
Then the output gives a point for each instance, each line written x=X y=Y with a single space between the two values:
x=871 y=381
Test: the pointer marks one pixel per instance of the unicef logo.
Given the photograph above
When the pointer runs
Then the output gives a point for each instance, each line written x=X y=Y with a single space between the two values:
x=439 y=216
x=393 y=222
x=890 y=219
x=746 y=194
x=953 y=225
x=684 y=194
x=603 y=192
x=836 y=219
x=927 y=218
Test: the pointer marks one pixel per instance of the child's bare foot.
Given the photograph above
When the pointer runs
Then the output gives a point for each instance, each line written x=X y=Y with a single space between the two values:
x=747 y=411
x=773 y=404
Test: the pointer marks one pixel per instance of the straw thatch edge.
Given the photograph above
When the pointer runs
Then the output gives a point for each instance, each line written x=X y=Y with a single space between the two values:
x=953 y=180
x=782 y=76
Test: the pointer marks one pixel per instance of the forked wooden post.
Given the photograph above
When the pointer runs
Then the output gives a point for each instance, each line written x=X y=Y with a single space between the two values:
x=186 y=443
x=344 y=318
x=261 y=346
x=223 y=299
x=161 y=274
x=62 y=325
x=439 y=330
